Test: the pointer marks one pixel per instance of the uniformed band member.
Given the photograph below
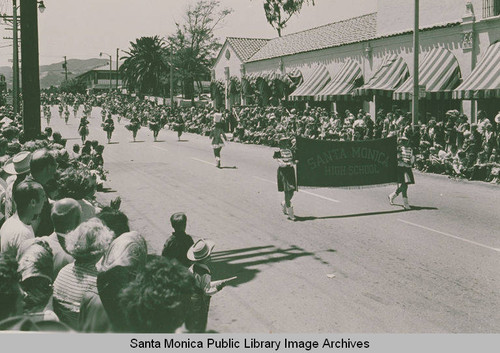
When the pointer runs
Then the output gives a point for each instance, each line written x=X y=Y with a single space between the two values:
x=286 y=175
x=218 y=137
x=405 y=174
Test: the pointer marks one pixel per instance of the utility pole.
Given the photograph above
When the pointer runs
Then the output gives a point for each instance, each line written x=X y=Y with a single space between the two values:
x=110 y=74
x=415 y=68
x=110 y=69
x=65 y=66
x=15 y=59
x=117 y=50
x=30 y=67
x=171 y=77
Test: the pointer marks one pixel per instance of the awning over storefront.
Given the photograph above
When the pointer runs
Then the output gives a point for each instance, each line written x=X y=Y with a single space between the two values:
x=439 y=73
x=313 y=84
x=343 y=83
x=295 y=76
x=484 y=81
x=391 y=74
x=249 y=81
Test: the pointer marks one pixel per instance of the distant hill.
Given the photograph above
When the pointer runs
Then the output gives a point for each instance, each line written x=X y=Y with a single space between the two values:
x=53 y=74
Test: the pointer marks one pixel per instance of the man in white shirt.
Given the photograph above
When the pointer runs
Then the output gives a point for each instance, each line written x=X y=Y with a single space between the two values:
x=29 y=197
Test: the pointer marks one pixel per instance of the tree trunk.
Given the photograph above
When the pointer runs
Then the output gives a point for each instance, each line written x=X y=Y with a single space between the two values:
x=188 y=88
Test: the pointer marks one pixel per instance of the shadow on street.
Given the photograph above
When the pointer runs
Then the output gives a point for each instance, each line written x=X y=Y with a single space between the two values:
x=238 y=262
x=413 y=208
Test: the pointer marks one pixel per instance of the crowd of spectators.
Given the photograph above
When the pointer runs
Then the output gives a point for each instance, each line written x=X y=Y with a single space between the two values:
x=68 y=263
x=446 y=144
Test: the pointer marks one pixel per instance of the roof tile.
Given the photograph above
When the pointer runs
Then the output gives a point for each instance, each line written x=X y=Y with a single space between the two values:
x=246 y=47
x=331 y=35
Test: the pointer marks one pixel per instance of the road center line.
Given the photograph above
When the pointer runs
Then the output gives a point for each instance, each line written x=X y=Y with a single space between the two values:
x=201 y=160
x=450 y=235
x=303 y=191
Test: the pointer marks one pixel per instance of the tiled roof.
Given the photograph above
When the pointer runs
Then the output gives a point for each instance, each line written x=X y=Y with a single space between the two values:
x=352 y=30
x=246 y=47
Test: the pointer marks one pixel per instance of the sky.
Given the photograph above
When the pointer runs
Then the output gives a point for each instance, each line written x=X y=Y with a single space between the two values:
x=81 y=29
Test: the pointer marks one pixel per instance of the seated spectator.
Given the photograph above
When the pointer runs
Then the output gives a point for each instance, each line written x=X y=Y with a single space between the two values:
x=35 y=269
x=29 y=198
x=79 y=185
x=66 y=216
x=124 y=258
x=48 y=132
x=158 y=299
x=18 y=168
x=43 y=167
x=114 y=219
x=459 y=163
x=75 y=151
x=177 y=246
x=10 y=291
x=87 y=243
x=57 y=138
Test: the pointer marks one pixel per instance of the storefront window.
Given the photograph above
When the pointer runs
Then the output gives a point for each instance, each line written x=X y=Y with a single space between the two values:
x=491 y=8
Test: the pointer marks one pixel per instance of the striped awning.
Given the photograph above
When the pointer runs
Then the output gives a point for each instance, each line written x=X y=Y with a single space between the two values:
x=343 y=83
x=249 y=81
x=439 y=73
x=391 y=74
x=484 y=81
x=313 y=84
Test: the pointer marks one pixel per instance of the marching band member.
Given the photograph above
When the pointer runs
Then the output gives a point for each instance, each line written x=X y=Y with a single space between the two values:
x=286 y=175
x=405 y=174
x=218 y=137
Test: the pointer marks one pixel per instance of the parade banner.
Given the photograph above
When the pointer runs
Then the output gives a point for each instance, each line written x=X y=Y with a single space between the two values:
x=346 y=163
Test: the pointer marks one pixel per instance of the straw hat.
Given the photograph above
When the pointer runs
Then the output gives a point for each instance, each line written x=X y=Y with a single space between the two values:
x=19 y=164
x=200 y=250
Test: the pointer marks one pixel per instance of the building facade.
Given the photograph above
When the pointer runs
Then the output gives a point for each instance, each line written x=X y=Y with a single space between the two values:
x=101 y=79
x=454 y=36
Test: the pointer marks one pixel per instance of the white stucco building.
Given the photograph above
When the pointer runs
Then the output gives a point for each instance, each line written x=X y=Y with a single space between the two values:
x=341 y=62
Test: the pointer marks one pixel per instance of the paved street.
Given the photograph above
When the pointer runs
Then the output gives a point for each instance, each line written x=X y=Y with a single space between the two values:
x=351 y=263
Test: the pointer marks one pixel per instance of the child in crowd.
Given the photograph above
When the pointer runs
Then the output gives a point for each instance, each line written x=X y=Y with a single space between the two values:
x=177 y=246
x=201 y=254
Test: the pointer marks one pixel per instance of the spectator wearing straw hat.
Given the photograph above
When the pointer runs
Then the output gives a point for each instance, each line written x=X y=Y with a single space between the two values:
x=18 y=167
x=201 y=254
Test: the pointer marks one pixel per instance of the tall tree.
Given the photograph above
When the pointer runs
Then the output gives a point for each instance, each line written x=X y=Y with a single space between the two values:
x=278 y=12
x=145 y=65
x=194 y=44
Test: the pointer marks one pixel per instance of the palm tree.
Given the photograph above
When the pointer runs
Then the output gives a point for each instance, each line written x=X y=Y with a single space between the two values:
x=145 y=65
